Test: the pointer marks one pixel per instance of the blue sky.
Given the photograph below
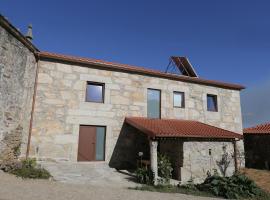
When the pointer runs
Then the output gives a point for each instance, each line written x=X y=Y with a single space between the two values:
x=224 y=40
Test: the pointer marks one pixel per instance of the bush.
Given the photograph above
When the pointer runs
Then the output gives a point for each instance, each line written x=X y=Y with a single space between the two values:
x=144 y=176
x=29 y=169
x=164 y=168
x=234 y=187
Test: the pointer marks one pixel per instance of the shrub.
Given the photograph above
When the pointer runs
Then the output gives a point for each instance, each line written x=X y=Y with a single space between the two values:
x=164 y=168
x=234 y=187
x=144 y=176
x=29 y=169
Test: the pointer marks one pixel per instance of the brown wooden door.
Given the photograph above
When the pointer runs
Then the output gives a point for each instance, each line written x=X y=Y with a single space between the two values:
x=87 y=143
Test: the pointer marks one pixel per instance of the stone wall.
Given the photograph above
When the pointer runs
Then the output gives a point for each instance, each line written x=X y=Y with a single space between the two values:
x=197 y=161
x=60 y=106
x=17 y=76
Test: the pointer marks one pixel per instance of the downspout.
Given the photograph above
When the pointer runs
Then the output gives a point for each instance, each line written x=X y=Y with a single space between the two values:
x=33 y=107
x=235 y=155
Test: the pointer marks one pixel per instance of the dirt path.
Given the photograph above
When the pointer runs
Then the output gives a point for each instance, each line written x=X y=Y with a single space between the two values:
x=12 y=188
x=261 y=177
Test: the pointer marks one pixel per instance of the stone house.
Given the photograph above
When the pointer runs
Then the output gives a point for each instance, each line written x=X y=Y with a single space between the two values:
x=257 y=149
x=72 y=109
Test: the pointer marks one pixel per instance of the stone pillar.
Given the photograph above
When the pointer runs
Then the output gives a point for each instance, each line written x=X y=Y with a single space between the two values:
x=153 y=159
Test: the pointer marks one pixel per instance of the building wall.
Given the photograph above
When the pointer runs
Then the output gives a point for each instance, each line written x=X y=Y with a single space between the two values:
x=197 y=161
x=257 y=151
x=17 y=76
x=60 y=106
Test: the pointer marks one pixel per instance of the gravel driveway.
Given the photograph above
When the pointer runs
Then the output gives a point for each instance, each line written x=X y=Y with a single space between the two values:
x=12 y=188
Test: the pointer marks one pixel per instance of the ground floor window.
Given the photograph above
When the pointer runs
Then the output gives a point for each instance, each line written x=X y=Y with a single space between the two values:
x=91 y=143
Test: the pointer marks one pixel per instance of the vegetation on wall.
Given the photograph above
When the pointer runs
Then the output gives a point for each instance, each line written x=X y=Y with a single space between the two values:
x=224 y=162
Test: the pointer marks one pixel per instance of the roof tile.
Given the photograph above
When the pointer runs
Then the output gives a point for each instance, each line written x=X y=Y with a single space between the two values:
x=179 y=128
x=259 y=129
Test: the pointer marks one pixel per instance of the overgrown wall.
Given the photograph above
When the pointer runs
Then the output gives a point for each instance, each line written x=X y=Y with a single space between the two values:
x=17 y=76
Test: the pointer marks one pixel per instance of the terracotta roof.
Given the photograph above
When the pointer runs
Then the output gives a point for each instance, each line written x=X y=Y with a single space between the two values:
x=135 y=69
x=17 y=34
x=259 y=129
x=179 y=128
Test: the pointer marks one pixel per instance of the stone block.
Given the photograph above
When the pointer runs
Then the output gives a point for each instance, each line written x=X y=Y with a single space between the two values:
x=63 y=68
x=44 y=78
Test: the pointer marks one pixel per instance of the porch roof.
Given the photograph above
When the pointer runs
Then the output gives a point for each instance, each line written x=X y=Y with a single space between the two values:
x=179 y=128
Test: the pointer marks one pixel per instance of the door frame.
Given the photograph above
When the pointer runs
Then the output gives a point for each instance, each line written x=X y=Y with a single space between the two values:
x=105 y=138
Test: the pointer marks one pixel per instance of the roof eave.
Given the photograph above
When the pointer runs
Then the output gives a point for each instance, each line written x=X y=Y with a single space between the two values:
x=138 y=70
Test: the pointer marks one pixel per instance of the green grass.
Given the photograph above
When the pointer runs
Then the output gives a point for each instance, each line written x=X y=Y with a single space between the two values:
x=173 y=189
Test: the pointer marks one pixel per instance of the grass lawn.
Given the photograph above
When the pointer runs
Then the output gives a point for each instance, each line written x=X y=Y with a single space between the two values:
x=174 y=189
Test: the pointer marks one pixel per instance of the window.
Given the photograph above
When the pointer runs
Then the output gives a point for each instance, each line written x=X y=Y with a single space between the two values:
x=153 y=103
x=91 y=145
x=95 y=92
x=212 y=103
x=178 y=99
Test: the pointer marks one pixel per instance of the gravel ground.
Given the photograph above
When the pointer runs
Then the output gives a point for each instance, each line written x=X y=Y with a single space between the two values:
x=13 y=188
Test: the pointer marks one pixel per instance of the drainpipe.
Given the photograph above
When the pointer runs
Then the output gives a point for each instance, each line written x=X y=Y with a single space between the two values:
x=33 y=107
x=235 y=155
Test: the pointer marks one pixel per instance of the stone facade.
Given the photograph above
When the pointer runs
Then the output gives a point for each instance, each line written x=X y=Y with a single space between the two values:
x=17 y=77
x=61 y=107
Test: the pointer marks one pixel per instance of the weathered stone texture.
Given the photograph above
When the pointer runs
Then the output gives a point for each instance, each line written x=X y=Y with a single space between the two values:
x=17 y=76
x=197 y=160
x=60 y=106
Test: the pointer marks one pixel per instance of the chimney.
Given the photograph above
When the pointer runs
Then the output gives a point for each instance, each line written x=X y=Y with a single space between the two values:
x=29 y=34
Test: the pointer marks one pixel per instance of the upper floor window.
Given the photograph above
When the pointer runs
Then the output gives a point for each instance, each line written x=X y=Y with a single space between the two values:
x=95 y=92
x=212 y=104
x=179 y=99
x=153 y=103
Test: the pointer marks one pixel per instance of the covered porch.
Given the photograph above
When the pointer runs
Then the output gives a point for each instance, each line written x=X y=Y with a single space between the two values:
x=185 y=142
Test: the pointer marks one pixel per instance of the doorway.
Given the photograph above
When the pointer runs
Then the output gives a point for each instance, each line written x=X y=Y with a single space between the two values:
x=91 y=145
